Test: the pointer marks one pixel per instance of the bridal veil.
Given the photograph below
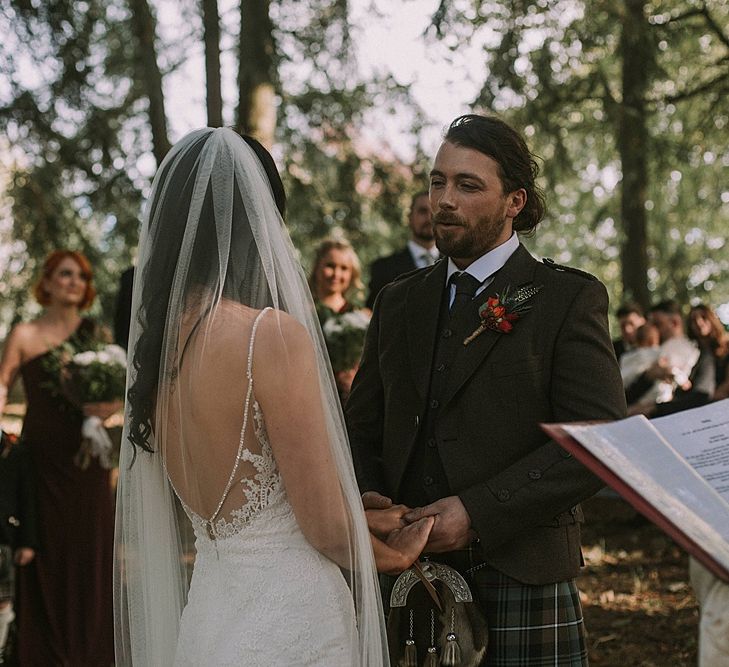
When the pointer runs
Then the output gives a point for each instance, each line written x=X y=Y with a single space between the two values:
x=213 y=241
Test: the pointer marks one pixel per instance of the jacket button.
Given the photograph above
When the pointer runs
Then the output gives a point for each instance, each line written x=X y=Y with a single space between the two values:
x=535 y=474
x=434 y=403
x=428 y=480
x=566 y=454
x=441 y=368
x=573 y=511
x=431 y=443
x=447 y=333
x=503 y=495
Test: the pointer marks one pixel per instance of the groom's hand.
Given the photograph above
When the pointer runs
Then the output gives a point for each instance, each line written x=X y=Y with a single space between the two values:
x=452 y=527
x=382 y=516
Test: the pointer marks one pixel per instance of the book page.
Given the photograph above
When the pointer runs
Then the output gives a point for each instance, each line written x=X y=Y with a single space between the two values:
x=636 y=451
x=703 y=440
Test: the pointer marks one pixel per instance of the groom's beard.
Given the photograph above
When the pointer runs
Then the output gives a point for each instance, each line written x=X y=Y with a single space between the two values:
x=461 y=240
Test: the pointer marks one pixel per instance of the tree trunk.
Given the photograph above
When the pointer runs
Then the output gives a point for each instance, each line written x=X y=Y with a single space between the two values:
x=150 y=76
x=211 y=30
x=637 y=55
x=256 y=87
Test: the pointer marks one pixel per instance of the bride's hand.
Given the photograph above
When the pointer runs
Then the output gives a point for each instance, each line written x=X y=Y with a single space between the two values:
x=409 y=543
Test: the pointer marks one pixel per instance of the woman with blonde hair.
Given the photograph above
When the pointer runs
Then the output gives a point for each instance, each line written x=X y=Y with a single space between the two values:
x=336 y=285
x=65 y=594
x=336 y=276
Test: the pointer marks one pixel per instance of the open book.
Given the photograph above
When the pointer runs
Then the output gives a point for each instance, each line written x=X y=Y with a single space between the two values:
x=674 y=470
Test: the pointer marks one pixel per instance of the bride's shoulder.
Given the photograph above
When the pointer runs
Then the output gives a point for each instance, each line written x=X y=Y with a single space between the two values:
x=277 y=328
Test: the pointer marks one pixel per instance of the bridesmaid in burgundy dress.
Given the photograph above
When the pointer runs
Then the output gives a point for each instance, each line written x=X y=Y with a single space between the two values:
x=65 y=612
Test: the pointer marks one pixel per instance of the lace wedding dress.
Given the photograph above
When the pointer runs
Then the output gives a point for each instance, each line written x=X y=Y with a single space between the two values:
x=260 y=593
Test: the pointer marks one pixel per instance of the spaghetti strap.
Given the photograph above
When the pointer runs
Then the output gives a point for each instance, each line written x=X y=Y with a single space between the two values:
x=249 y=367
x=246 y=412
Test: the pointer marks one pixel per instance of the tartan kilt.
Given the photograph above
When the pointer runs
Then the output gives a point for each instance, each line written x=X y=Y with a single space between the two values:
x=530 y=626
x=7 y=573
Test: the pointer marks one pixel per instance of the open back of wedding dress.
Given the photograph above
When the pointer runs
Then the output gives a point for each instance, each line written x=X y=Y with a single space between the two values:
x=232 y=410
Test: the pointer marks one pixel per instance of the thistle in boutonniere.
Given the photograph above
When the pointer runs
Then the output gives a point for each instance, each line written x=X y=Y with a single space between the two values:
x=500 y=312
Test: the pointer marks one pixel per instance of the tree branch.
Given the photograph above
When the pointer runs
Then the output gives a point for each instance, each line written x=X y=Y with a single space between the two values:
x=698 y=90
x=716 y=28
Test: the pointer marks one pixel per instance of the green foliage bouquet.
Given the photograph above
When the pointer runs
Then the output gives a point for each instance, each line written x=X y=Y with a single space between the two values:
x=95 y=375
x=344 y=335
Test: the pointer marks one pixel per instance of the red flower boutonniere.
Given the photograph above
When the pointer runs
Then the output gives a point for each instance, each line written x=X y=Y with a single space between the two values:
x=501 y=311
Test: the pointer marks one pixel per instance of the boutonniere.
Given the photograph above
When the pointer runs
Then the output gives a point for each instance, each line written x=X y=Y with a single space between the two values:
x=500 y=312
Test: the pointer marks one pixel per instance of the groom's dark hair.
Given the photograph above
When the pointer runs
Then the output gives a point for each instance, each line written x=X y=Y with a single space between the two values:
x=517 y=166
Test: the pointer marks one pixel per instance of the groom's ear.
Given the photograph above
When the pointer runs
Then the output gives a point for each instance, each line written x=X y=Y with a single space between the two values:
x=516 y=201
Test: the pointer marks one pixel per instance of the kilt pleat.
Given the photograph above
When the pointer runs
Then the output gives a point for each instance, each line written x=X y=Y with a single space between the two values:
x=531 y=626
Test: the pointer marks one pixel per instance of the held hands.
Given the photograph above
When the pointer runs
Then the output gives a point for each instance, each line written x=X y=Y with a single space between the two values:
x=439 y=527
x=409 y=542
x=382 y=516
x=403 y=541
x=452 y=527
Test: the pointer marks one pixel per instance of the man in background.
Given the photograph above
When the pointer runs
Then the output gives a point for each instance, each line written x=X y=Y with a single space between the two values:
x=419 y=252
x=630 y=318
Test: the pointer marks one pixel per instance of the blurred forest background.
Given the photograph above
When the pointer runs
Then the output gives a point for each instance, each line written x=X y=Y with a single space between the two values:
x=625 y=101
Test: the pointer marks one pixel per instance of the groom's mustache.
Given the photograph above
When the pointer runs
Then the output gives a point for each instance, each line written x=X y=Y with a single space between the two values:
x=446 y=218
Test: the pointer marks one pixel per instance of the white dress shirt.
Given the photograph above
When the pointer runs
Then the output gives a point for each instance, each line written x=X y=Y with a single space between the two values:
x=484 y=268
x=420 y=255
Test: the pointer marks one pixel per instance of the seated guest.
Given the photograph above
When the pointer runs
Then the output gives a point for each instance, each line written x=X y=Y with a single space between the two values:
x=705 y=327
x=630 y=318
x=638 y=360
x=709 y=369
x=419 y=252
x=677 y=354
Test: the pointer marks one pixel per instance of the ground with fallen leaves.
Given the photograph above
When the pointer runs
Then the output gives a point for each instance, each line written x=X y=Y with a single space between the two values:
x=639 y=608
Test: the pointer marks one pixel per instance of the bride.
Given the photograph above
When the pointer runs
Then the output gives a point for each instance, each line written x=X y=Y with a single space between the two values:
x=232 y=408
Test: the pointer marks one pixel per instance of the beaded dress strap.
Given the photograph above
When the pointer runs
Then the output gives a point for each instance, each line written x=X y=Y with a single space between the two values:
x=249 y=393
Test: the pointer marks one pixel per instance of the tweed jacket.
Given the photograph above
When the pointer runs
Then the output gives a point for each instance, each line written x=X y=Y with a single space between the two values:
x=387 y=269
x=521 y=489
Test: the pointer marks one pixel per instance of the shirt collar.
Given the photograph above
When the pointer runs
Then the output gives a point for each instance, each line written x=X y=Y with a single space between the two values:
x=417 y=251
x=486 y=265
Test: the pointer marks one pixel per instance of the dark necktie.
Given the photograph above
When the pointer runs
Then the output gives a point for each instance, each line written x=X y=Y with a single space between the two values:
x=466 y=286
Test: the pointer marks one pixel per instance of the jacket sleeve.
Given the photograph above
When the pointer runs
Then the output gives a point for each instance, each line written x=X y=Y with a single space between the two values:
x=585 y=384
x=365 y=413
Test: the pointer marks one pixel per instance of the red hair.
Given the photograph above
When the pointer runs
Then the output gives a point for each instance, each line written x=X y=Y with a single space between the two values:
x=51 y=264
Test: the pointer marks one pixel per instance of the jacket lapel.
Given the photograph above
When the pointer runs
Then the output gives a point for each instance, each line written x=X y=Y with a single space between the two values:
x=422 y=312
x=517 y=272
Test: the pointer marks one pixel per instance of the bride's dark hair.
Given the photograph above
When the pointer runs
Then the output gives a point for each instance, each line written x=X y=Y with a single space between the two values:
x=167 y=226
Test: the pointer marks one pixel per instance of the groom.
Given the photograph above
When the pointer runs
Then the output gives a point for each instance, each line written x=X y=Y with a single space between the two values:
x=462 y=362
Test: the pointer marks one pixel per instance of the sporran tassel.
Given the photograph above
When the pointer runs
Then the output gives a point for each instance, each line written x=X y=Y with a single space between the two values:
x=411 y=654
x=431 y=660
x=451 y=652
x=411 y=651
